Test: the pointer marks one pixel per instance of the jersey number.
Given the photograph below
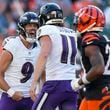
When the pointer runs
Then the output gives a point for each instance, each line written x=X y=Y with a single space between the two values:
x=27 y=71
x=66 y=49
x=107 y=51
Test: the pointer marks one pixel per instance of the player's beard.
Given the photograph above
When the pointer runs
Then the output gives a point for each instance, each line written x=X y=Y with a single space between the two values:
x=30 y=38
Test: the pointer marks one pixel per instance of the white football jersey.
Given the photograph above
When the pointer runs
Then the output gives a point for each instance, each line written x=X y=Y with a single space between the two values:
x=61 y=61
x=19 y=73
x=107 y=67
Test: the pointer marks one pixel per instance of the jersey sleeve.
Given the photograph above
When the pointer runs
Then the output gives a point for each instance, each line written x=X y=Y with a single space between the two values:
x=9 y=45
x=91 y=39
x=44 y=30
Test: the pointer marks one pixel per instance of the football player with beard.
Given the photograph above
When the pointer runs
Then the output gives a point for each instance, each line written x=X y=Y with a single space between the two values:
x=17 y=64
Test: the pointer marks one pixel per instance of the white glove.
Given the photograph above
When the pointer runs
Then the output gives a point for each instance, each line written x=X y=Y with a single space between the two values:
x=75 y=85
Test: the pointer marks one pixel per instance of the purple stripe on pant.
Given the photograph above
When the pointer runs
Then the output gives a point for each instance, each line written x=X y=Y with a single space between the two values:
x=56 y=93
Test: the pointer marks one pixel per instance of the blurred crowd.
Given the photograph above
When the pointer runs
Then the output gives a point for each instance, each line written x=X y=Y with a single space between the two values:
x=11 y=10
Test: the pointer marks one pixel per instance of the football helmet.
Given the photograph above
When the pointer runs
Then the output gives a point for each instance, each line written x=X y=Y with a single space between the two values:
x=28 y=18
x=51 y=13
x=89 y=18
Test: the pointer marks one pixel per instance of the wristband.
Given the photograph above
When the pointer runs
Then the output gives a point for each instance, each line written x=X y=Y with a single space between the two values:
x=84 y=80
x=10 y=92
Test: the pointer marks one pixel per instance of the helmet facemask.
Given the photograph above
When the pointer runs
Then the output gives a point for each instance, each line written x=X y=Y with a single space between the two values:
x=30 y=33
x=28 y=26
x=30 y=38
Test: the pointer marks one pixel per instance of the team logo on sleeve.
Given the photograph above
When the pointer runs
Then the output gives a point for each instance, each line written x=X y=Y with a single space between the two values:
x=89 y=42
x=39 y=32
x=5 y=42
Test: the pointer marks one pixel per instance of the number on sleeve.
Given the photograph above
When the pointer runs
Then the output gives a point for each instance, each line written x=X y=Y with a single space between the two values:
x=27 y=71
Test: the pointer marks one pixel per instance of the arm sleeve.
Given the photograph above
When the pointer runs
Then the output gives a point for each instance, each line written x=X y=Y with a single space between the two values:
x=9 y=45
x=91 y=39
x=44 y=30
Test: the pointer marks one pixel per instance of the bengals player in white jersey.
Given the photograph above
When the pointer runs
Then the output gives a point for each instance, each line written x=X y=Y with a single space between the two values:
x=17 y=64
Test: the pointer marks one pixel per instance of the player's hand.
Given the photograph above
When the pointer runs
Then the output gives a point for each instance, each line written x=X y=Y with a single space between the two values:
x=17 y=96
x=32 y=92
x=75 y=85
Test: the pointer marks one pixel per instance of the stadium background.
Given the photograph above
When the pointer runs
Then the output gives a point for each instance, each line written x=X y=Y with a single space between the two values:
x=11 y=10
